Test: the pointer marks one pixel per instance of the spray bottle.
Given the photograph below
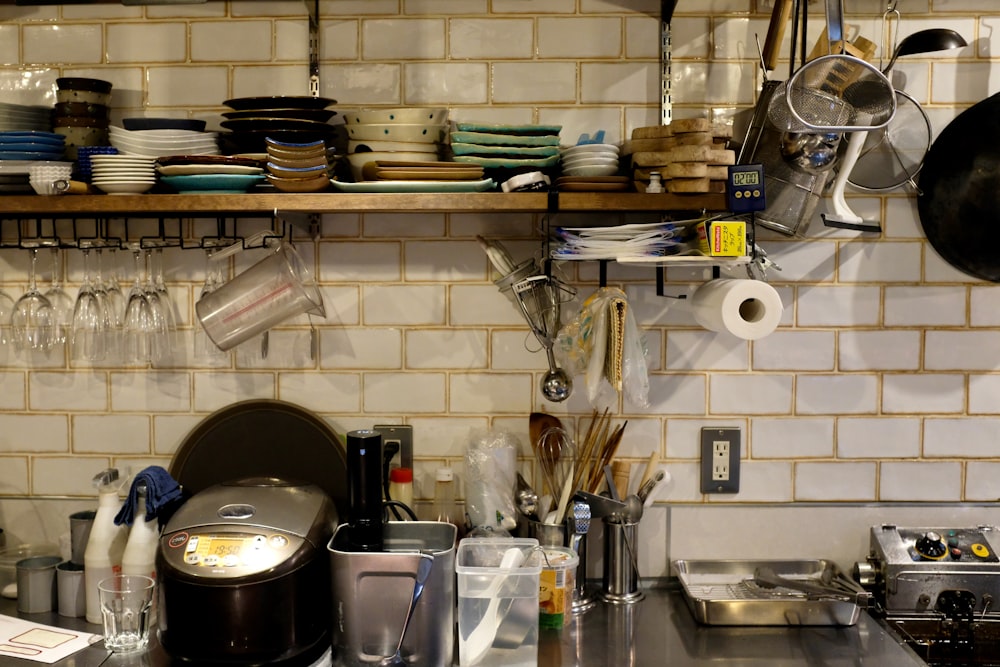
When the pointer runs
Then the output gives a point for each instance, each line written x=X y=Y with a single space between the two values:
x=140 y=550
x=103 y=556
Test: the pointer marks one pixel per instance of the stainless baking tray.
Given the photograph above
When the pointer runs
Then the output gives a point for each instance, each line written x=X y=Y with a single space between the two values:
x=723 y=592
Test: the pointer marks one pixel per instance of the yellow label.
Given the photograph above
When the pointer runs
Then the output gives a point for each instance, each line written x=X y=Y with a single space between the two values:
x=553 y=593
x=722 y=238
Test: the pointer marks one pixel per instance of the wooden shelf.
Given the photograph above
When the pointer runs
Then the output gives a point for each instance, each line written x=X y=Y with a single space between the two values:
x=267 y=204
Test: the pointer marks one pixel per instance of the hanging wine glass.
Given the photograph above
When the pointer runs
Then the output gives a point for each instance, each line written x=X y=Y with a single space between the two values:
x=62 y=302
x=205 y=350
x=6 y=308
x=32 y=321
x=138 y=326
x=159 y=333
x=110 y=286
x=89 y=326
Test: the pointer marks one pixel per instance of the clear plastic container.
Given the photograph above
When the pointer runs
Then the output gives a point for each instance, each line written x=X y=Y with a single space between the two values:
x=498 y=602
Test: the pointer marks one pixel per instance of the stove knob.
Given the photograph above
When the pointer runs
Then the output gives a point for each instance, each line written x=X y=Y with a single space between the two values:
x=931 y=547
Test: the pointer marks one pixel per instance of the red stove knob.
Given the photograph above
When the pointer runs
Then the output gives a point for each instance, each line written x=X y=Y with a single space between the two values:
x=931 y=546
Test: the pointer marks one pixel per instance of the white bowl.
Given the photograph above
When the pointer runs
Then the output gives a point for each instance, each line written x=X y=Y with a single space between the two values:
x=400 y=132
x=592 y=170
x=590 y=148
x=589 y=161
x=409 y=115
x=160 y=134
x=359 y=160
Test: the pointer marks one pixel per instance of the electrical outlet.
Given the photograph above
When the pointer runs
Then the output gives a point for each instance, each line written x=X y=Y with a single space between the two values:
x=403 y=436
x=720 y=460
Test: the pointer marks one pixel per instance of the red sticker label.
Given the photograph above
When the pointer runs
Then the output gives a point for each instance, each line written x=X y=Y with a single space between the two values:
x=177 y=540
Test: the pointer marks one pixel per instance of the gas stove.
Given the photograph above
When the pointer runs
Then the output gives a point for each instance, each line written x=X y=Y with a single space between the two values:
x=938 y=590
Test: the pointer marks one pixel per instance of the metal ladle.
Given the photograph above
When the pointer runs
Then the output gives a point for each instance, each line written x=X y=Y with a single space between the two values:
x=423 y=572
x=926 y=41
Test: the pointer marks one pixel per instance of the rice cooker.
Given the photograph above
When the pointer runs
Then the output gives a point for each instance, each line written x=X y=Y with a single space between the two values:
x=244 y=576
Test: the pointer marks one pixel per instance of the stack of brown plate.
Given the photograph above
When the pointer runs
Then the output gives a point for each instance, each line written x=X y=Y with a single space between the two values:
x=293 y=167
x=594 y=183
x=292 y=119
x=401 y=170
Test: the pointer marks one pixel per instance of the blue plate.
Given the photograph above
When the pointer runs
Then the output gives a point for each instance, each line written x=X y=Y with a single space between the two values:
x=33 y=147
x=33 y=136
x=15 y=155
x=219 y=183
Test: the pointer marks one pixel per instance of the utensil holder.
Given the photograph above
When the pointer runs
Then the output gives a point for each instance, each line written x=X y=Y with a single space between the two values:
x=621 y=573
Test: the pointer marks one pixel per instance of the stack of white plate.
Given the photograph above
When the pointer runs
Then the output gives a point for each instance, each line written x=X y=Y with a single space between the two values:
x=590 y=160
x=154 y=143
x=122 y=174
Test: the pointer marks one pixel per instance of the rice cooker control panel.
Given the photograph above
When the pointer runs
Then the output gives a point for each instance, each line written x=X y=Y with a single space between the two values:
x=218 y=553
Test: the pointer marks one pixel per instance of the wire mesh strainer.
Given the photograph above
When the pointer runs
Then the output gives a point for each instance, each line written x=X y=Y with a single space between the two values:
x=892 y=156
x=834 y=93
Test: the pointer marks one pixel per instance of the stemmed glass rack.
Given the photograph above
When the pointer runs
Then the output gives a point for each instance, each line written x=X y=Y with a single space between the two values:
x=147 y=234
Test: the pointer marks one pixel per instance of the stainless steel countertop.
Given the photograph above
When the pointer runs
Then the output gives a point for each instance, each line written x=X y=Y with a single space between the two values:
x=658 y=630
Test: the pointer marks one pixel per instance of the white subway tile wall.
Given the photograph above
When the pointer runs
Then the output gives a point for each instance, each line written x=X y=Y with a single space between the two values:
x=880 y=385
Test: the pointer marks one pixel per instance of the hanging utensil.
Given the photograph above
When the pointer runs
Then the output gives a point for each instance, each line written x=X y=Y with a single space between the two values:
x=842 y=216
x=837 y=92
x=892 y=156
x=540 y=298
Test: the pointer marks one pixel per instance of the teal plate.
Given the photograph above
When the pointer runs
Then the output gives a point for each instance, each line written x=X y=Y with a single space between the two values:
x=532 y=130
x=218 y=183
x=486 y=138
x=508 y=163
x=505 y=151
x=416 y=186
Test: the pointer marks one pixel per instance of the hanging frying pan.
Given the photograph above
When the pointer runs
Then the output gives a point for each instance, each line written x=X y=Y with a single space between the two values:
x=960 y=191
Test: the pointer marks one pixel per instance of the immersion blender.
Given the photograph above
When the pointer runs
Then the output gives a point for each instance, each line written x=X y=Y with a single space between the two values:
x=364 y=486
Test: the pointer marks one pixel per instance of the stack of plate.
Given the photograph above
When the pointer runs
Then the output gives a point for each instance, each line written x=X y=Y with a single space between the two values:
x=14 y=177
x=205 y=174
x=122 y=174
x=31 y=145
x=413 y=134
x=293 y=119
x=295 y=167
x=84 y=169
x=24 y=117
x=154 y=143
x=419 y=176
x=506 y=146
x=590 y=160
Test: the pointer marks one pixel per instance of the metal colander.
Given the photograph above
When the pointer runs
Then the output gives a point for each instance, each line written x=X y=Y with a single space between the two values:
x=834 y=93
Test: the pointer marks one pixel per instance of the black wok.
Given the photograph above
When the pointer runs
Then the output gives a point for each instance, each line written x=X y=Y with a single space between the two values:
x=959 y=200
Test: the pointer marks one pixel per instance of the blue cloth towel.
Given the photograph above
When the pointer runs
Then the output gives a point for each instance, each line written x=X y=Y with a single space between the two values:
x=161 y=490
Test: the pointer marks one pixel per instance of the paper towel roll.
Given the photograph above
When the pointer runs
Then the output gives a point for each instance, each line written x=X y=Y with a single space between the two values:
x=748 y=309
